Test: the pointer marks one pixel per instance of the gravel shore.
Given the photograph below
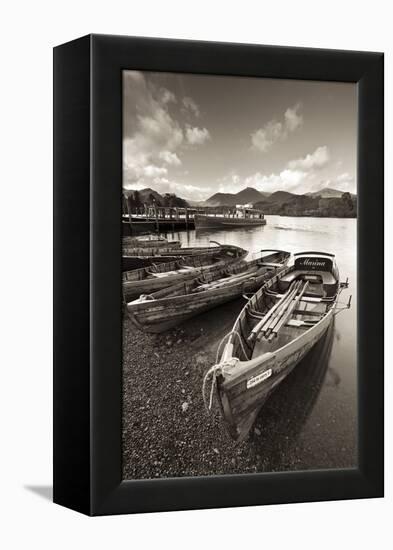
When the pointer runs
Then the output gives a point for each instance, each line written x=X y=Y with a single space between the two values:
x=167 y=431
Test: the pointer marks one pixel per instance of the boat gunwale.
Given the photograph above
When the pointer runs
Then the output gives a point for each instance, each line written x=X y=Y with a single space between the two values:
x=235 y=330
x=256 y=361
x=160 y=302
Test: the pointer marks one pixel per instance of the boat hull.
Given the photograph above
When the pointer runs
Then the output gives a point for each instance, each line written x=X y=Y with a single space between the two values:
x=146 y=250
x=169 y=251
x=137 y=262
x=133 y=289
x=243 y=388
x=160 y=315
x=149 y=242
x=136 y=259
x=203 y=222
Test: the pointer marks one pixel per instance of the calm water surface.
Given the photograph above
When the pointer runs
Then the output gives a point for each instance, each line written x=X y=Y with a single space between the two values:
x=311 y=420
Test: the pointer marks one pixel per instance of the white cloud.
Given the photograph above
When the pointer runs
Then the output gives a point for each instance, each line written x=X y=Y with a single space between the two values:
x=152 y=171
x=286 y=180
x=299 y=176
x=190 y=192
x=183 y=190
x=152 y=136
x=293 y=120
x=264 y=138
x=191 y=106
x=231 y=183
x=344 y=177
x=159 y=130
x=170 y=158
x=319 y=158
x=274 y=131
x=344 y=182
x=167 y=96
x=197 y=136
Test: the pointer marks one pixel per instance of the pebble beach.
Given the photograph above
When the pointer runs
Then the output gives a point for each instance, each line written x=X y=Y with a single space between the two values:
x=167 y=431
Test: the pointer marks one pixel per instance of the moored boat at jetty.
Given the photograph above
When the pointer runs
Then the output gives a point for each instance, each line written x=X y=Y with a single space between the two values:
x=274 y=331
x=149 y=241
x=160 y=275
x=135 y=258
x=129 y=263
x=170 y=306
x=142 y=246
x=241 y=216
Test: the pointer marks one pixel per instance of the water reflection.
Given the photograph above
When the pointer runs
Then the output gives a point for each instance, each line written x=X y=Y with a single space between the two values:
x=284 y=415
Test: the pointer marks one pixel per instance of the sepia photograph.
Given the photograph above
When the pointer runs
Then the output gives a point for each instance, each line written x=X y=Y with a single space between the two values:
x=239 y=275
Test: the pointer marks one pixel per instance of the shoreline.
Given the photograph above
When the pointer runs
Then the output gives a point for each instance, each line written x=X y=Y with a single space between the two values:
x=166 y=430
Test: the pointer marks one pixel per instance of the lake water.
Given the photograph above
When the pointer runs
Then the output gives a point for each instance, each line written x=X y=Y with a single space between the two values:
x=311 y=419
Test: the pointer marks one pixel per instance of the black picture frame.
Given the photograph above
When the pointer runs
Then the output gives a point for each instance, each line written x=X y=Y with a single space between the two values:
x=87 y=274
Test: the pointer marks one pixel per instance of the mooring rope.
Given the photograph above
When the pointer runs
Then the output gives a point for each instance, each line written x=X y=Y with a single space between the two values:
x=213 y=370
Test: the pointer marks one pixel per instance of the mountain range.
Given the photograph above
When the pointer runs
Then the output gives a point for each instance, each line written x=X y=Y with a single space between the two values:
x=247 y=195
x=251 y=195
x=326 y=202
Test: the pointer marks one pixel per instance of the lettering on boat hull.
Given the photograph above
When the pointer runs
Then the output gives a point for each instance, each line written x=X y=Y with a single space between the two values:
x=251 y=382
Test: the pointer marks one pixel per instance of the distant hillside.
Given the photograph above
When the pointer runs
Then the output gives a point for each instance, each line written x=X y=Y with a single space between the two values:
x=247 y=195
x=144 y=194
x=148 y=196
x=281 y=196
x=328 y=193
x=288 y=204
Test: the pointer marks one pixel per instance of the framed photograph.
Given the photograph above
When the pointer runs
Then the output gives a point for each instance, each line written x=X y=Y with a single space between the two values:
x=218 y=275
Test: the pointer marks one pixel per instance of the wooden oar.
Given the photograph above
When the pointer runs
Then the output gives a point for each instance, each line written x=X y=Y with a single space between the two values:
x=288 y=310
x=258 y=327
x=278 y=307
x=287 y=314
x=232 y=279
x=268 y=328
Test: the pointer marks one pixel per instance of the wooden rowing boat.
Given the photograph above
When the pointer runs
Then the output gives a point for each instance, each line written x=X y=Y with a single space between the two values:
x=170 y=306
x=149 y=241
x=170 y=251
x=277 y=327
x=138 y=246
x=137 y=258
x=130 y=263
x=161 y=275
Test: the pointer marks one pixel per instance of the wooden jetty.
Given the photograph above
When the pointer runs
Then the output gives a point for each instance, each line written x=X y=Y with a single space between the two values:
x=150 y=218
x=160 y=219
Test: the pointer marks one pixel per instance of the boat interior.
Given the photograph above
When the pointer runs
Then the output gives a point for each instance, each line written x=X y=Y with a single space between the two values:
x=178 y=267
x=130 y=262
x=244 y=269
x=240 y=272
x=127 y=239
x=320 y=283
x=282 y=311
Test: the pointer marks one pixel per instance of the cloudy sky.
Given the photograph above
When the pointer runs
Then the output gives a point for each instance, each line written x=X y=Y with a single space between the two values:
x=195 y=135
